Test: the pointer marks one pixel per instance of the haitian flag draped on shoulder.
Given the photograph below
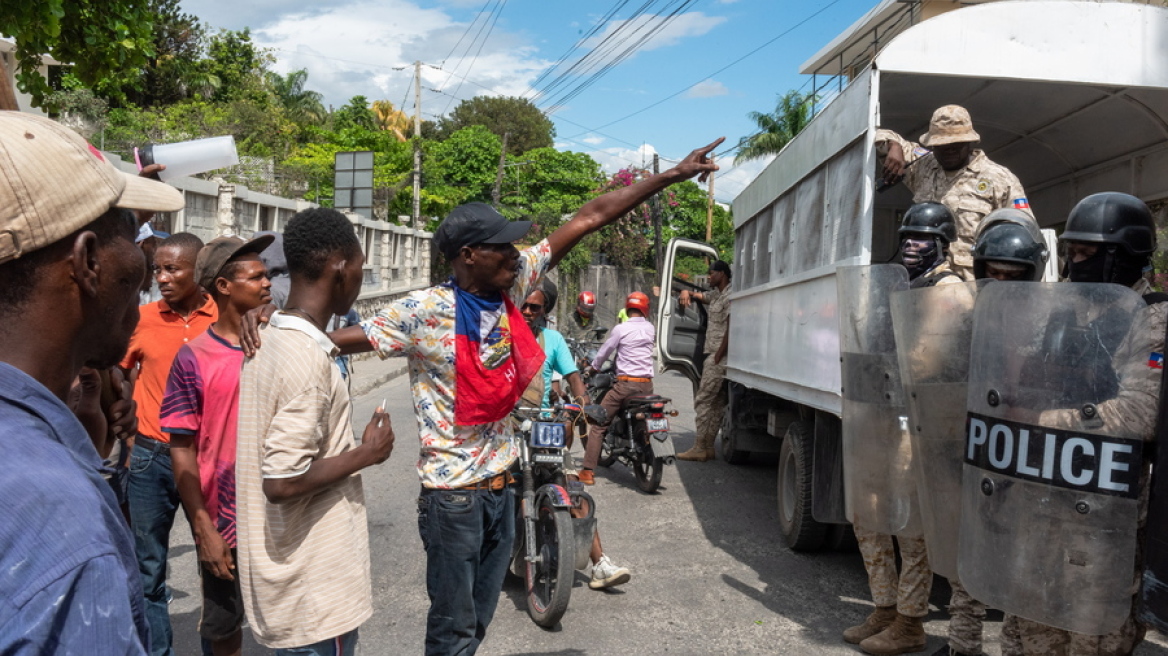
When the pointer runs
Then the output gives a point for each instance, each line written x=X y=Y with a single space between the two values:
x=495 y=357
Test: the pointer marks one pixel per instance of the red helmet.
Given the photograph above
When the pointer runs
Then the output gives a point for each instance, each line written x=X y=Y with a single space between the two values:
x=637 y=301
x=586 y=303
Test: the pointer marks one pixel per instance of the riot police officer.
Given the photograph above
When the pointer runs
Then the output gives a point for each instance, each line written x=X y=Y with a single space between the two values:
x=1109 y=238
x=926 y=233
x=1009 y=246
x=895 y=627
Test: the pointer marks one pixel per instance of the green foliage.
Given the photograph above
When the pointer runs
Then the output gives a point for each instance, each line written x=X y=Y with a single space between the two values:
x=239 y=66
x=299 y=104
x=685 y=210
x=549 y=183
x=355 y=114
x=526 y=126
x=776 y=129
x=106 y=41
x=459 y=170
x=177 y=70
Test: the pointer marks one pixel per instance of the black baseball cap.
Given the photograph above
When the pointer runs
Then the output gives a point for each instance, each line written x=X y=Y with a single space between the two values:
x=221 y=250
x=476 y=223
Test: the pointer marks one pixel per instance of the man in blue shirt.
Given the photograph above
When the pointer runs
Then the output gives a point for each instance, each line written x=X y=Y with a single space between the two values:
x=69 y=280
x=605 y=573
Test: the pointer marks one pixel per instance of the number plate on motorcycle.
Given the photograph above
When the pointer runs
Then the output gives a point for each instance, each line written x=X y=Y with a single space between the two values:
x=548 y=458
x=658 y=425
x=546 y=435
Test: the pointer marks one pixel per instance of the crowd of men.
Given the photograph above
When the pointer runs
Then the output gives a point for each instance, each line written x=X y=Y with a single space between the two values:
x=240 y=412
x=212 y=397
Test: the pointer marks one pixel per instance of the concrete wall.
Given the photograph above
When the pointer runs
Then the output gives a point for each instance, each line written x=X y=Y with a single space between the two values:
x=397 y=258
x=611 y=286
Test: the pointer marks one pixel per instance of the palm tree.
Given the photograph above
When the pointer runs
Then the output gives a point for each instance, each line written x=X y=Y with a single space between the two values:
x=775 y=130
x=300 y=103
x=391 y=119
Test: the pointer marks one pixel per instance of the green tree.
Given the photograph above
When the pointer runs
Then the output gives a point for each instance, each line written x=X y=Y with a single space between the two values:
x=460 y=169
x=526 y=126
x=239 y=66
x=355 y=114
x=107 y=42
x=177 y=70
x=301 y=105
x=776 y=129
x=549 y=183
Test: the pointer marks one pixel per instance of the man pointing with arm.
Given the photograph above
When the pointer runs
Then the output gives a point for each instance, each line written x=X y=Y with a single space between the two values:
x=468 y=334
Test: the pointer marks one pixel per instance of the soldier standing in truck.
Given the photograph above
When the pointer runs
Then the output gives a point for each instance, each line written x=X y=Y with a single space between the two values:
x=947 y=167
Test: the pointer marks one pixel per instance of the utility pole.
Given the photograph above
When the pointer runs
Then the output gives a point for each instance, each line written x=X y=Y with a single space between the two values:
x=710 y=207
x=417 y=223
x=498 y=188
x=655 y=209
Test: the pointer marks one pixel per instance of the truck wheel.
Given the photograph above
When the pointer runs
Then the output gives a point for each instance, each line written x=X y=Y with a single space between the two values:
x=730 y=452
x=800 y=530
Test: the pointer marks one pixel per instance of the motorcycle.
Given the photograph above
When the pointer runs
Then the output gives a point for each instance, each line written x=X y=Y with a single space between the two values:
x=638 y=435
x=550 y=544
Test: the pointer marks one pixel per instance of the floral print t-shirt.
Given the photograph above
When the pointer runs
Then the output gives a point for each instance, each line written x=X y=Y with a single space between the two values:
x=420 y=326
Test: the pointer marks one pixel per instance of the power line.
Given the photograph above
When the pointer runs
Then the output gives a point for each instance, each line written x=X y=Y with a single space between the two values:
x=467 y=30
x=498 y=12
x=592 y=32
x=727 y=66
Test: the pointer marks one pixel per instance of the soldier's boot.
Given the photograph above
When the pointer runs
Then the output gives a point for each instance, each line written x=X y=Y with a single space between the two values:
x=700 y=452
x=905 y=635
x=880 y=619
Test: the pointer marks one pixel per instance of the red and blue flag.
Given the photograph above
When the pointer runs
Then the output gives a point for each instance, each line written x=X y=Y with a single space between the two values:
x=1021 y=204
x=495 y=358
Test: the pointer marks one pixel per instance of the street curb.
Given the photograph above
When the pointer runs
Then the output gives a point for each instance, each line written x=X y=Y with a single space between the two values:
x=363 y=387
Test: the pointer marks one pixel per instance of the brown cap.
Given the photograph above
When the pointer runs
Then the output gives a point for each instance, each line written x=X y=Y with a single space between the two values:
x=52 y=184
x=221 y=250
x=950 y=124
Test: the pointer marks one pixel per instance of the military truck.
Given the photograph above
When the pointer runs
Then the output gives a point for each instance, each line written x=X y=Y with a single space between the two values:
x=1071 y=96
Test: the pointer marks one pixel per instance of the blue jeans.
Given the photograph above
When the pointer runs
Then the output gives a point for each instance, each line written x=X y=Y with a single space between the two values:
x=467 y=535
x=153 y=501
x=342 y=645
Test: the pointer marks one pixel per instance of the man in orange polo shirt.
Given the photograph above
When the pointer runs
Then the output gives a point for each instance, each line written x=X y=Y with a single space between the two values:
x=183 y=314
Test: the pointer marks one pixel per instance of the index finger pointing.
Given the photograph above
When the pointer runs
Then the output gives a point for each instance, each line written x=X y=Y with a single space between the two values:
x=707 y=149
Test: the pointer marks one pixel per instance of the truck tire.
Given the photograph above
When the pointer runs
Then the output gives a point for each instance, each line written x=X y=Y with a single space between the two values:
x=800 y=530
x=730 y=451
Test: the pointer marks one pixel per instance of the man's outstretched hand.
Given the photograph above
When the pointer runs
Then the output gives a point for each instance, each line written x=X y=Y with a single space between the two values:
x=249 y=329
x=698 y=162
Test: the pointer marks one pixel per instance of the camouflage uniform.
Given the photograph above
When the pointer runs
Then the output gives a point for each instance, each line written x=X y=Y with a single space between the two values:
x=942 y=274
x=1134 y=408
x=909 y=591
x=580 y=328
x=971 y=193
x=710 y=399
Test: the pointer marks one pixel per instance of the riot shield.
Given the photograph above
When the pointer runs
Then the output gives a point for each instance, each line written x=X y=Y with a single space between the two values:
x=880 y=493
x=933 y=327
x=1050 y=489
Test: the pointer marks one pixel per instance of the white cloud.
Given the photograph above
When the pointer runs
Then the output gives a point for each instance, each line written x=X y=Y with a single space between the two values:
x=694 y=23
x=593 y=139
x=707 y=89
x=615 y=159
x=354 y=48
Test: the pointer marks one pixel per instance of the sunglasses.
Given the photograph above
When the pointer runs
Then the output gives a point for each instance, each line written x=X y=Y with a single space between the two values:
x=534 y=307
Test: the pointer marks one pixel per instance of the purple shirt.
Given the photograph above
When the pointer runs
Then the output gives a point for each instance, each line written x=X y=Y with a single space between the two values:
x=633 y=343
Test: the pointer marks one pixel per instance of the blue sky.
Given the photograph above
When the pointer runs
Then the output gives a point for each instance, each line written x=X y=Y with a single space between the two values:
x=368 y=47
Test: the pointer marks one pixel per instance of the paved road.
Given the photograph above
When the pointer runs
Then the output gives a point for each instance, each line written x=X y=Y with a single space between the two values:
x=710 y=572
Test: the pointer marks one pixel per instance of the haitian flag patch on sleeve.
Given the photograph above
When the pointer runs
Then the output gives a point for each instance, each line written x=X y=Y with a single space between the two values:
x=1156 y=360
x=1021 y=204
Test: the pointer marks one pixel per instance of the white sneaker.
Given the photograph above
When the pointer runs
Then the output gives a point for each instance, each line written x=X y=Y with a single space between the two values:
x=606 y=574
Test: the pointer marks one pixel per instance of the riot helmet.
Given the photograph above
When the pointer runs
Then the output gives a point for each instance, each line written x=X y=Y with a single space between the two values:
x=930 y=218
x=1008 y=245
x=1121 y=228
x=925 y=234
x=1010 y=215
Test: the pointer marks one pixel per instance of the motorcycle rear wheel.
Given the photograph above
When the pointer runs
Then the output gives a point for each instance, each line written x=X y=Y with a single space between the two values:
x=647 y=469
x=549 y=581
